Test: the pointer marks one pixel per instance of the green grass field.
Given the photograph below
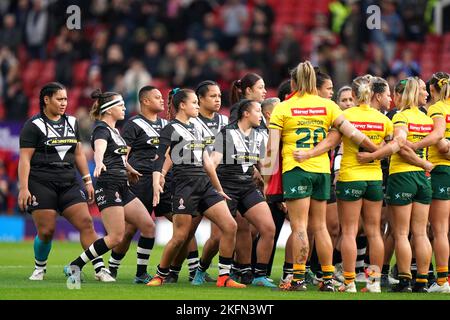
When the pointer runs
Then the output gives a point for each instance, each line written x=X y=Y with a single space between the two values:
x=17 y=263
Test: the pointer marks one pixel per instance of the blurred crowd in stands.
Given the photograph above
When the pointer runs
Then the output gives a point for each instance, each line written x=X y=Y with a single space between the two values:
x=123 y=45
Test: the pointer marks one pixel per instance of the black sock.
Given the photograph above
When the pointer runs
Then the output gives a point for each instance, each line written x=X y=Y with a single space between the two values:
x=224 y=266
x=174 y=270
x=361 y=244
x=288 y=269
x=413 y=268
x=162 y=272
x=144 y=249
x=385 y=269
x=98 y=248
x=260 y=270
x=115 y=260
x=237 y=268
x=202 y=266
x=337 y=258
x=192 y=260
x=98 y=264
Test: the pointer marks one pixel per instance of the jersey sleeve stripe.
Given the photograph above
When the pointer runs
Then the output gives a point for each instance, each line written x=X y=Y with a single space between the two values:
x=436 y=114
x=276 y=125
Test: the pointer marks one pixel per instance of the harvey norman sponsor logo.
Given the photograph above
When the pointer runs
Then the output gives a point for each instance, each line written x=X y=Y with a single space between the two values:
x=369 y=126
x=447 y=119
x=412 y=127
x=318 y=111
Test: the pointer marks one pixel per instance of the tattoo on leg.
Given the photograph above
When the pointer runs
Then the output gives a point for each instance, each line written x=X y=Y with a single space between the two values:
x=304 y=246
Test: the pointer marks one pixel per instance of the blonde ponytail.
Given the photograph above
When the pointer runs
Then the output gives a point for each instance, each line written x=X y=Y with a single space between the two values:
x=362 y=89
x=410 y=96
x=305 y=79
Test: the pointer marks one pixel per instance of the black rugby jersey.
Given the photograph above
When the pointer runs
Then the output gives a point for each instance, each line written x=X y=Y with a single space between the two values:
x=210 y=127
x=142 y=135
x=114 y=158
x=186 y=148
x=240 y=152
x=54 y=143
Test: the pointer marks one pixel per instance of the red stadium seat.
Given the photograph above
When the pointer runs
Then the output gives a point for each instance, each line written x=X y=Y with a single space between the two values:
x=30 y=75
x=80 y=72
x=159 y=83
x=2 y=110
x=48 y=72
x=73 y=99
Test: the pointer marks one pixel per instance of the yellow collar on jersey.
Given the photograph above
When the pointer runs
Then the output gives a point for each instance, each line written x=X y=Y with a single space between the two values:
x=364 y=107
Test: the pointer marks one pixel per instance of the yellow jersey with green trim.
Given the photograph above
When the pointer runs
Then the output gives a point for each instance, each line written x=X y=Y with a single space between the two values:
x=304 y=121
x=440 y=109
x=377 y=127
x=418 y=126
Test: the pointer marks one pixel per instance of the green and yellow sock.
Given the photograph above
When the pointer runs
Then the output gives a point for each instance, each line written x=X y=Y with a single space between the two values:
x=422 y=279
x=328 y=272
x=349 y=277
x=299 y=272
x=442 y=275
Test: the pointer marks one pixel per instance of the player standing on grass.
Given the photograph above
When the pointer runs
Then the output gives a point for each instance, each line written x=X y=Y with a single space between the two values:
x=359 y=187
x=409 y=187
x=141 y=133
x=50 y=149
x=237 y=149
x=116 y=202
x=440 y=175
x=209 y=122
x=300 y=123
x=251 y=86
x=194 y=192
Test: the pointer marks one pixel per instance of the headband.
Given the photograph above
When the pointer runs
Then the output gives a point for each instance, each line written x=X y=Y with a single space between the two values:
x=108 y=105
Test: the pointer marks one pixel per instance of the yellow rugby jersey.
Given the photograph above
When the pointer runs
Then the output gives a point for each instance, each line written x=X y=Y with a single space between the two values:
x=440 y=109
x=418 y=125
x=304 y=122
x=377 y=127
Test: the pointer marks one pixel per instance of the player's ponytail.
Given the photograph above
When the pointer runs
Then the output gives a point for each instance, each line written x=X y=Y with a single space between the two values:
x=179 y=96
x=305 y=79
x=362 y=90
x=410 y=96
x=441 y=83
x=239 y=87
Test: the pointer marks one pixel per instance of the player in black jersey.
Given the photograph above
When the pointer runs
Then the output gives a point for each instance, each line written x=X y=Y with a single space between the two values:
x=252 y=87
x=237 y=150
x=116 y=202
x=50 y=149
x=209 y=122
x=141 y=133
x=194 y=192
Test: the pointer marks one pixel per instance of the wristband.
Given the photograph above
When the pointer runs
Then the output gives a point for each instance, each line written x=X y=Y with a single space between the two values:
x=88 y=182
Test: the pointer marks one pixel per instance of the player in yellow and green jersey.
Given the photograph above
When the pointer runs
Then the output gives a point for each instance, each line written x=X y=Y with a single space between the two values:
x=301 y=123
x=437 y=141
x=359 y=188
x=409 y=186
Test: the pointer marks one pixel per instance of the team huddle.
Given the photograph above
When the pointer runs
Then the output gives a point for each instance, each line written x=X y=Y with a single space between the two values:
x=357 y=180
